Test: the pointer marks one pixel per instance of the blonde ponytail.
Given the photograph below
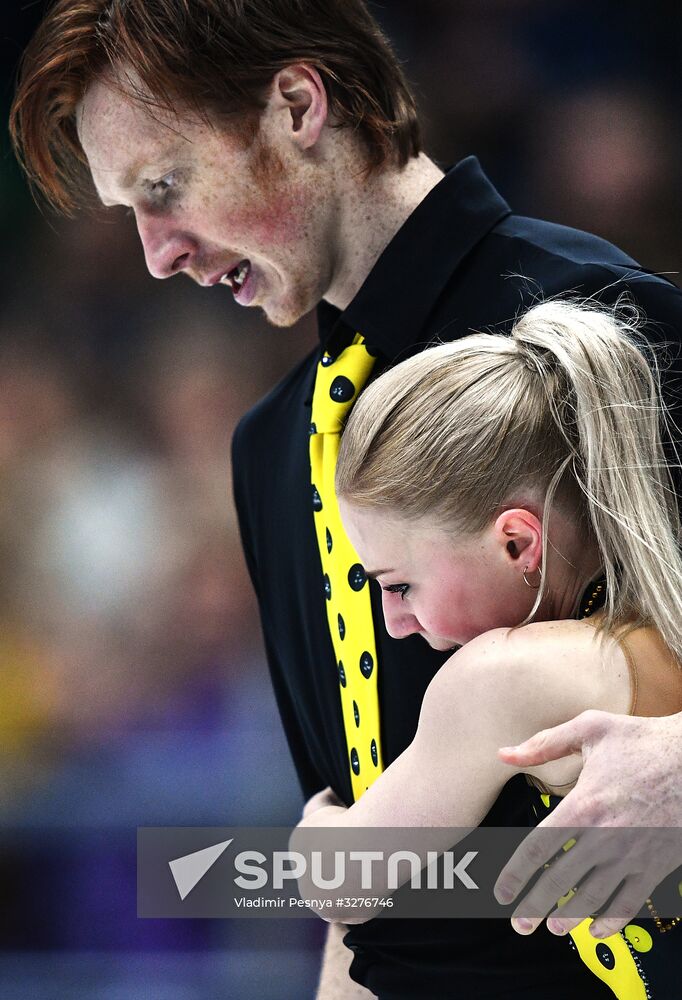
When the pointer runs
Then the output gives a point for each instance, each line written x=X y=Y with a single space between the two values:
x=567 y=407
x=608 y=411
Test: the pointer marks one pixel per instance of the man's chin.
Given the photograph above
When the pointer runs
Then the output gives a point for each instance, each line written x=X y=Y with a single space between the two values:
x=282 y=318
x=286 y=303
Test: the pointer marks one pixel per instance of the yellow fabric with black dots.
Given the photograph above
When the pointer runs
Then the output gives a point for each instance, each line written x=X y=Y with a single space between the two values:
x=349 y=612
x=611 y=961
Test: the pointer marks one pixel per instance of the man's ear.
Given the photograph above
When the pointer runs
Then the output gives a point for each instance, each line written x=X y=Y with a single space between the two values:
x=299 y=97
x=519 y=534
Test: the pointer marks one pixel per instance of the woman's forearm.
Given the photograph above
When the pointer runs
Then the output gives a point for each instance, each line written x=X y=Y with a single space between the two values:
x=325 y=817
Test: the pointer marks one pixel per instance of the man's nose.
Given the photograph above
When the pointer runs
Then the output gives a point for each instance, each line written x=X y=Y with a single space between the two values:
x=167 y=250
x=399 y=621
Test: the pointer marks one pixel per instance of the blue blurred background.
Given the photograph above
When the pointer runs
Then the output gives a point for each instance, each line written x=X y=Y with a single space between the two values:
x=133 y=689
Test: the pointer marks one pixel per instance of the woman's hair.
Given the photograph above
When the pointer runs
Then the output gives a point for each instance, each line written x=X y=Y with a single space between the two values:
x=566 y=410
x=214 y=57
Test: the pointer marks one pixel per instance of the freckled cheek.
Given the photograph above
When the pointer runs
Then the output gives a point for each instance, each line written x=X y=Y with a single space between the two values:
x=278 y=222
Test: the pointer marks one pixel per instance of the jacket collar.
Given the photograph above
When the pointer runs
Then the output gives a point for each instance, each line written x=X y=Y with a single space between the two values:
x=404 y=285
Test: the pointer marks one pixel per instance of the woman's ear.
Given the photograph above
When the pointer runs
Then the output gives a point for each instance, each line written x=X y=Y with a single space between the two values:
x=299 y=99
x=518 y=532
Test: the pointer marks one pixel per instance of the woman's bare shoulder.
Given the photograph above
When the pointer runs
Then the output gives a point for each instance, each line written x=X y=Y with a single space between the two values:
x=544 y=650
x=539 y=674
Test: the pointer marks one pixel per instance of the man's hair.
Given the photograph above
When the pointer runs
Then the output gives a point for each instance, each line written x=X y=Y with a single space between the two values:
x=211 y=57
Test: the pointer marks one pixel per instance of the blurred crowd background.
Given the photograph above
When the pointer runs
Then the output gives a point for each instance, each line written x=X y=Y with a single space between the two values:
x=133 y=688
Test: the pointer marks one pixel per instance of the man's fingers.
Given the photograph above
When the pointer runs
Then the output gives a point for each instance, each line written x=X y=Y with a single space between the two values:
x=555 y=887
x=530 y=856
x=551 y=744
x=548 y=744
x=562 y=925
x=626 y=903
x=525 y=925
x=604 y=927
x=588 y=897
x=624 y=906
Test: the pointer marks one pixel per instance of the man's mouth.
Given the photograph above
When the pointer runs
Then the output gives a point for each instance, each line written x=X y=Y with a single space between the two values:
x=243 y=279
x=237 y=277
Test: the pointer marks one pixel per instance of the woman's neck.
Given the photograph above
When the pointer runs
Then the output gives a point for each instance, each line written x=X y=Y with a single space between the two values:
x=574 y=561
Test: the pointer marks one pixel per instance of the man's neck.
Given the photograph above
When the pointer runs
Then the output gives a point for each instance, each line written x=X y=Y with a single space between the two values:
x=372 y=211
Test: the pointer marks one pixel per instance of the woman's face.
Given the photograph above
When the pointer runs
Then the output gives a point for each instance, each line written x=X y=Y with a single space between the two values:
x=446 y=588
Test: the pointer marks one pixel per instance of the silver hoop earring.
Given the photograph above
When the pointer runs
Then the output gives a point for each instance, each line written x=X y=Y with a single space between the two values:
x=528 y=583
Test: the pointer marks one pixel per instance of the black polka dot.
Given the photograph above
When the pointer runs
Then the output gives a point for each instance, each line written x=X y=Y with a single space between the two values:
x=374 y=753
x=355 y=761
x=366 y=664
x=317 y=499
x=327 y=587
x=372 y=351
x=356 y=713
x=329 y=540
x=327 y=360
x=606 y=956
x=342 y=628
x=357 y=578
x=342 y=389
x=342 y=675
x=313 y=429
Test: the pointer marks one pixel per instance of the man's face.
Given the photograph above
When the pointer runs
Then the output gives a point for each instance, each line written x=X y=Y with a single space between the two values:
x=252 y=218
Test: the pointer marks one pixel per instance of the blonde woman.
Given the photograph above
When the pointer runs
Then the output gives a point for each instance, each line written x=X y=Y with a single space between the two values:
x=512 y=498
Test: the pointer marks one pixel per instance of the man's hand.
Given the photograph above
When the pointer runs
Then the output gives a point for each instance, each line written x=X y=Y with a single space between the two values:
x=631 y=777
x=335 y=983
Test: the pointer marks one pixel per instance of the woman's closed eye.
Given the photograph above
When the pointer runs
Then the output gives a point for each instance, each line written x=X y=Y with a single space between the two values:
x=397 y=588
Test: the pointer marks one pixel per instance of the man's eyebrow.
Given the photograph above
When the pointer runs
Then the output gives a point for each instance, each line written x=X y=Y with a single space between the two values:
x=132 y=174
x=125 y=185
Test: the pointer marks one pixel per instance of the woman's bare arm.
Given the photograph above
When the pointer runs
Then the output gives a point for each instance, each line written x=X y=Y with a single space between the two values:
x=498 y=689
